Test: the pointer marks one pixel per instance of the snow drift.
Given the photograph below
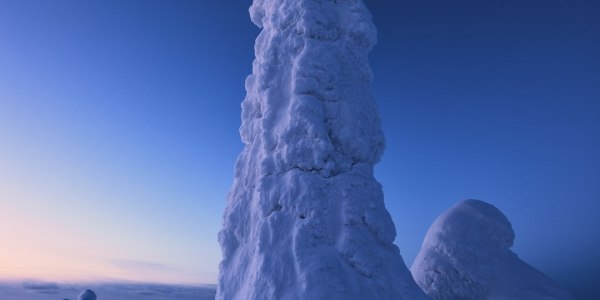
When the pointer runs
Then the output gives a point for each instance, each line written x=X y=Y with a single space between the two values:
x=305 y=218
x=466 y=255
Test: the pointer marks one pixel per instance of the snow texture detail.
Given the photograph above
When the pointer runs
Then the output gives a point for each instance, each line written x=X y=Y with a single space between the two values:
x=466 y=255
x=305 y=218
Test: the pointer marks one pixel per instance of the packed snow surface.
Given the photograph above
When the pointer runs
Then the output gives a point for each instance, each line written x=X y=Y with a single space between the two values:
x=305 y=218
x=466 y=255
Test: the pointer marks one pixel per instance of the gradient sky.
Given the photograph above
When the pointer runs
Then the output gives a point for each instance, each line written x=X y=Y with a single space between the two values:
x=119 y=130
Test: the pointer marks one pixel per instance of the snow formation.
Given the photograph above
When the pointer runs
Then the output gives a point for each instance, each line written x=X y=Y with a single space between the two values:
x=466 y=255
x=87 y=295
x=305 y=218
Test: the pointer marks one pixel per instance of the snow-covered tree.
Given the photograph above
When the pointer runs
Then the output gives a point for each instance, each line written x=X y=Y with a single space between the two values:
x=305 y=218
x=466 y=255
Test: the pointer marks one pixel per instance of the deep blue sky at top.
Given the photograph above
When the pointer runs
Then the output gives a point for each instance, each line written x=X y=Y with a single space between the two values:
x=138 y=102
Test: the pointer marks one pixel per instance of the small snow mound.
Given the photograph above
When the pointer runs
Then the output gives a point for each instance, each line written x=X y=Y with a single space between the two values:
x=466 y=255
x=87 y=294
x=473 y=222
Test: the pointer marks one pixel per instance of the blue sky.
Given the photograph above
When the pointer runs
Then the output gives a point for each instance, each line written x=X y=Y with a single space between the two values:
x=500 y=102
x=119 y=129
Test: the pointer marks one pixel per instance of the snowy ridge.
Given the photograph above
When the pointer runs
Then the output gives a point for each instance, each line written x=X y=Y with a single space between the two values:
x=305 y=218
x=466 y=255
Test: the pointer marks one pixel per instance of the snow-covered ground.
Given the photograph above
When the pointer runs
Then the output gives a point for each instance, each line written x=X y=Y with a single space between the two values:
x=47 y=291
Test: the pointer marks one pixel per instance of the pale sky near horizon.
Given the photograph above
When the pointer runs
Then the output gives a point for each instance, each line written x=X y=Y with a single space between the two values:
x=119 y=119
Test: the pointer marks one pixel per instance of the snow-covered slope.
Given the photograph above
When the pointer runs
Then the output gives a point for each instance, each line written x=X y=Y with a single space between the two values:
x=466 y=255
x=305 y=218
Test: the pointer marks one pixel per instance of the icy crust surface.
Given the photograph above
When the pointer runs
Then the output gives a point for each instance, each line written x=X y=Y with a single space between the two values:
x=305 y=218
x=466 y=255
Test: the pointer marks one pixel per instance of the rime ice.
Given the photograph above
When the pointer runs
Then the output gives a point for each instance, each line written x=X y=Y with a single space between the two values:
x=466 y=255
x=305 y=218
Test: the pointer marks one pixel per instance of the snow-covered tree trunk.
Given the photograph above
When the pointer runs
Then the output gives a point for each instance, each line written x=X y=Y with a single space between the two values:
x=305 y=218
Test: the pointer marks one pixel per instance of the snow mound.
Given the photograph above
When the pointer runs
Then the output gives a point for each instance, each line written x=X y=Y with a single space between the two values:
x=87 y=295
x=305 y=218
x=466 y=255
